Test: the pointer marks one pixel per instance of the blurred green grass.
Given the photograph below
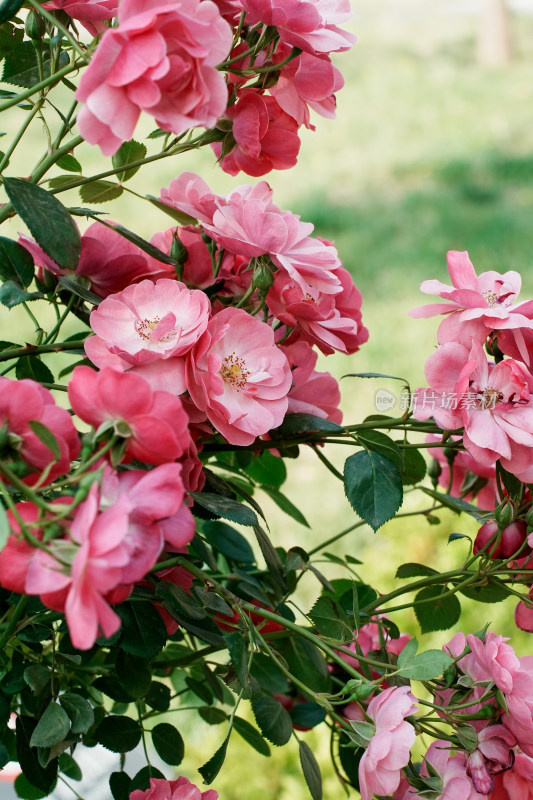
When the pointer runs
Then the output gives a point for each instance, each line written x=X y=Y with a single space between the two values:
x=430 y=152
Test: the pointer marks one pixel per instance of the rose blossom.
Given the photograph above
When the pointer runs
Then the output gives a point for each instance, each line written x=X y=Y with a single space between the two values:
x=493 y=754
x=477 y=304
x=21 y=403
x=451 y=769
x=246 y=222
x=197 y=266
x=265 y=136
x=154 y=424
x=465 y=470
x=161 y=59
x=180 y=789
x=91 y=13
x=148 y=324
x=389 y=748
x=311 y=25
x=517 y=783
x=312 y=392
x=237 y=375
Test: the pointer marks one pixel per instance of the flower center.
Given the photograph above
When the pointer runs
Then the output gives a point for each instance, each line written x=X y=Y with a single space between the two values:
x=233 y=371
x=490 y=398
x=491 y=298
x=156 y=329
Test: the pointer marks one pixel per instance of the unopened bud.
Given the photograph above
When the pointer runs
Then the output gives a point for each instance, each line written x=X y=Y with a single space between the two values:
x=262 y=277
x=434 y=472
x=34 y=26
x=504 y=513
x=178 y=251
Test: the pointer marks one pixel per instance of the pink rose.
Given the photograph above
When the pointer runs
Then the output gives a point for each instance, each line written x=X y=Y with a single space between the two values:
x=237 y=375
x=465 y=469
x=311 y=25
x=154 y=424
x=180 y=789
x=197 y=266
x=265 y=137
x=161 y=59
x=312 y=392
x=21 y=403
x=451 y=769
x=389 y=748
x=517 y=783
x=149 y=327
x=91 y=13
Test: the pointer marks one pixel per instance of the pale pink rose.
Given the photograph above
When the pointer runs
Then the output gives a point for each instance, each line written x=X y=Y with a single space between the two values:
x=91 y=13
x=161 y=59
x=312 y=392
x=197 y=266
x=307 y=82
x=477 y=304
x=389 y=748
x=311 y=25
x=517 y=783
x=246 y=222
x=451 y=769
x=24 y=401
x=492 y=402
x=237 y=375
x=493 y=660
x=493 y=754
x=145 y=325
x=331 y=322
x=265 y=137
x=465 y=470
x=180 y=789
x=154 y=424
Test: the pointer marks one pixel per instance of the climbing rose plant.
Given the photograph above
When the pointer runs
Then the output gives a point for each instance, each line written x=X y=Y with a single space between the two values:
x=138 y=575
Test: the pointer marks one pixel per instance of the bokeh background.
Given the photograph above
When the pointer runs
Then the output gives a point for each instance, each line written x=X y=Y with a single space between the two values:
x=432 y=150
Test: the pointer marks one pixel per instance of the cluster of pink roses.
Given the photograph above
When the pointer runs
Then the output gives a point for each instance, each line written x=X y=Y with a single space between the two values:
x=166 y=58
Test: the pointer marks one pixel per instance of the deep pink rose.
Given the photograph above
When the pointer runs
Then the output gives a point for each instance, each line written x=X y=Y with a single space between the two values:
x=513 y=536
x=161 y=59
x=493 y=754
x=451 y=769
x=237 y=375
x=307 y=82
x=180 y=789
x=25 y=401
x=389 y=748
x=312 y=392
x=311 y=25
x=154 y=424
x=266 y=138
x=517 y=783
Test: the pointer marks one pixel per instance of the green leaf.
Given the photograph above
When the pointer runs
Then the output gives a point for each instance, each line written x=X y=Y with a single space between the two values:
x=414 y=466
x=286 y=505
x=100 y=191
x=306 y=663
x=381 y=443
x=12 y=295
x=182 y=600
x=213 y=601
x=38 y=677
x=32 y=367
x=4 y=528
x=43 y=778
x=143 y=632
x=119 y=784
x=46 y=436
x=60 y=181
x=441 y=613
x=178 y=216
x=205 y=629
x=294 y=424
x=142 y=779
x=48 y=220
x=423 y=667
x=52 y=728
x=492 y=592
x=251 y=735
x=134 y=674
x=16 y=263
x=212 y=715
x=273 y=720
x=307 y=715
x=228 y=541
x=74 y=285
x=271 y=557
x=158 y=696
x=69 y=767
x=211 y=768
x=26 y=790
x=79 y=710
x=168 y=743
x=147 y=247
x=69 y=163
x=267 y=469
x=126 y=154
x=456 y=504
x=413 y=570
x=311 y=770
x=373 y=487
x=330 y=619
x=8 y=9
x=226 y=507
x=373 y=375
x=268 y=675
x=119 y=734
x=239 y=657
